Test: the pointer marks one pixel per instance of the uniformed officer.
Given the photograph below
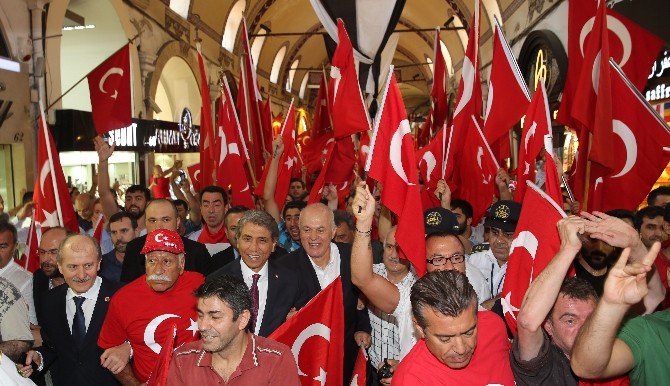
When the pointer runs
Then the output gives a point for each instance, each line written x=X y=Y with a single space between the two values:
x=227 y=352
x=502 y=218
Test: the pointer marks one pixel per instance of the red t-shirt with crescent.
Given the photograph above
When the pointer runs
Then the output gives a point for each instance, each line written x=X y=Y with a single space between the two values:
x=489 y=364
x=143 y=317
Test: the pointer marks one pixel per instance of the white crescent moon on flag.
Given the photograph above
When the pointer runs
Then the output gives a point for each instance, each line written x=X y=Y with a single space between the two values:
x=233 y=149
x=430 y=160
x=245 y=188
x=468 y=75
x=113 y=70
x=150 y=331
x=224 y=148
x=526 y=240
x=316 y=329
x=529 y=134
x=196 y=175
x=595 y=73
x=618 y=28
x=629 y=141
x=480 y=153
x=44 y=172
x=395 y=153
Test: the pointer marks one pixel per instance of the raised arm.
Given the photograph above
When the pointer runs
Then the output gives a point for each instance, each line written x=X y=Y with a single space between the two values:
x=443 y=193
x=597 y=352
x=543 y=291
x=109 y=206
x=379 y=291
x=271 y=180
x=502 y=181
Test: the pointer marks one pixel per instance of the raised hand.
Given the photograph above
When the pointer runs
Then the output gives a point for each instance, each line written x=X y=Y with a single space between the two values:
x=277 y=147
x=627 y=282
x=569 y=229
x=363 y=206
x=612 y=230
x=102 y=147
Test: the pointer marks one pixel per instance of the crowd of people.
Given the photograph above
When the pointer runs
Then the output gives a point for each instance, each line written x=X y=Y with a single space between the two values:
x=214 y=280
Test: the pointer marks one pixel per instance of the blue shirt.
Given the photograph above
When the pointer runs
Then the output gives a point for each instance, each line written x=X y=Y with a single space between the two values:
x=285 y=240
x=111 y=267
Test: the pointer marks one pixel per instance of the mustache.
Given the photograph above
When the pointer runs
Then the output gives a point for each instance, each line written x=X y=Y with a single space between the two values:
x=208 y=333
x=82 y=280
x=156 y=277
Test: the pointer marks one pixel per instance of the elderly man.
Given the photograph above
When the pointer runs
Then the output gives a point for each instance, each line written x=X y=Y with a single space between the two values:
x=162 y=214
x=73 y=316
x=275 y=289
x=318 y=263
x=227 y=351
x=213 y=205
x=459 y=345
x=47 y=276
x=142 y=311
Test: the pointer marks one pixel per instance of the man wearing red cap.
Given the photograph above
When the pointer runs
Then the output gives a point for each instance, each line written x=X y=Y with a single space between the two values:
x=142 y=311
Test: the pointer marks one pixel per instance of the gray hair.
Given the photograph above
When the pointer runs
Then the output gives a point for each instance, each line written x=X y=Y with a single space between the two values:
x=70 y=239
x=260 y=218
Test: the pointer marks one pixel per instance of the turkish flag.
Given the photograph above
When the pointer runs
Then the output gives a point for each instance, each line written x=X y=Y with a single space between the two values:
x=392 y=163
x=321 y=121
x=337 y=170
x=631 y=46
x=97 y=228
x=469 y=100
x=537 y=125
x=535 y=244
x=360 y=370
x=642 y=142
x=363 y=150
x=30 y=259
x=431 y=163
x=109 y=86
x=194 y=175
x=287 y=161
x=347 y=108
x=314 y=149
x=318 y=329
x=478 y=167
x=52 y=202
x=159 y=374
x=508 y=96
x=230 y=165
x=438 y=93
x=207 y=140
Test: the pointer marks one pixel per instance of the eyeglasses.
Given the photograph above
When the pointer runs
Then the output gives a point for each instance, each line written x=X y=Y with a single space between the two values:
x=442 y=260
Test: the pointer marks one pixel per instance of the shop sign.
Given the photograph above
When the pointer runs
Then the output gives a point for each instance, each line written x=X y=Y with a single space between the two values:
x=123 y=137
x=661 y=91
x=660 y=66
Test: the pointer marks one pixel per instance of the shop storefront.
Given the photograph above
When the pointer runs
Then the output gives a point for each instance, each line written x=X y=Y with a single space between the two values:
x=657 y=93
x=139 y=147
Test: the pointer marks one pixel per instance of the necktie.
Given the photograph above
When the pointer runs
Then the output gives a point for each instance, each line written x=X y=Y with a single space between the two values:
x=78 y=322
x=254 y=300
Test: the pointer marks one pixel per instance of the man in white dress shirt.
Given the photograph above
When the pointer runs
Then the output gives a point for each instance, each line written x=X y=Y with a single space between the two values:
x=10 y=270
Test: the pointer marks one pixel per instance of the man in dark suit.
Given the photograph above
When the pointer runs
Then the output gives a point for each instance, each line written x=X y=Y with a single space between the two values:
x=318 y=263
x=162 y=214
x=47 y=276
x=72 y=317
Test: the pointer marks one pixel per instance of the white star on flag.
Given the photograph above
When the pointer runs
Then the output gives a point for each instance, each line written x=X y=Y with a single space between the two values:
x=193 y=327
x=507 y=305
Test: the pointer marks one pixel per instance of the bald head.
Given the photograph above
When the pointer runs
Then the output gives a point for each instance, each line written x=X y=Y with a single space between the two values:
x=84 y=206
x=319 y=210
x=79 y=243
x=161 y=214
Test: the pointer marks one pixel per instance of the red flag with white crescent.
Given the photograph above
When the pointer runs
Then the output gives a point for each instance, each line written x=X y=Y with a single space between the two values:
x=207 y=138
x=316 y=337
x=360 y=369
x=337 y=170
x=535 y=244
x=30 y=259
x=110 y=90
x=431 y=163
x=392 y=163
x=194 y=175
x=98 y=227
x=159 y=374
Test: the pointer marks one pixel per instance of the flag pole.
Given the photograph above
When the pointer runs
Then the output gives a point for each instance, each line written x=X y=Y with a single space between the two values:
x=325 y=83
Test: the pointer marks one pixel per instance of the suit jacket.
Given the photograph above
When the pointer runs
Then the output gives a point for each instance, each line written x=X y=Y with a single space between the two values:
x=40 y=288
x=283 y=293
x=198 y=258
x=227 y=256
x=354 y=319
x=75 y=366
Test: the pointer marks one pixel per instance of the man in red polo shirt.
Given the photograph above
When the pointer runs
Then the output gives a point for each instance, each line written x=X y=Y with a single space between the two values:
x=459 y=345
x=142 y=311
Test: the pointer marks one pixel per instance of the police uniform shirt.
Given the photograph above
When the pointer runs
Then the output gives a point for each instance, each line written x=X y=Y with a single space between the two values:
x=493 y=273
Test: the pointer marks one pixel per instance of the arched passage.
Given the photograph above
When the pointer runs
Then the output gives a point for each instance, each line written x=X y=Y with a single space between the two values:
x=177 y=89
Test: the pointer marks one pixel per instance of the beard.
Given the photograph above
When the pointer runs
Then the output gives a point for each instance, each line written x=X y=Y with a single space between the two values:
x=50 y=270
x=135 y=211
x=597 y=259
x=120 y=246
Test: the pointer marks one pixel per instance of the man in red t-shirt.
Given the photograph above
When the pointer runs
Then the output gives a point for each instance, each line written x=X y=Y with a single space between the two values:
x=459 y=345
x=142 y=312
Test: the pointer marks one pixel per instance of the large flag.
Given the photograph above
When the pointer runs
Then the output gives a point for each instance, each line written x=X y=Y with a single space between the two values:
x=537 y=125
x=30 y=259
x=642 y=142
x=322 y=121
x=438 y=93
x=159 y=374
x=249 y=104
x=194 y=175
x=347 y=108
x=109 y=86
x=508 y=96
x=207 y=139
x=322 y=321
x=468 y=100
x=535 y=244
x=431 y=163
x=52 y=203
x=478 y=166
x=337 y=170
x=314 y=149
x=391 y=162
x=287 y=161
x=631 y=46
x=231 y=147
x=363 y=151
x=360 y=370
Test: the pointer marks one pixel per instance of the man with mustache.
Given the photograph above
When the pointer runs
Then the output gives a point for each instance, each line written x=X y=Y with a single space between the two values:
x=47 y=276
x=73 y=316
x=123 y=229
x=227 y=351
x=142 y=311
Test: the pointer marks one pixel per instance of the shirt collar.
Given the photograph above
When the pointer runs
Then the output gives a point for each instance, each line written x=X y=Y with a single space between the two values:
x=334 y=258
x=247 y=273
x=249 y=358
x=91 y=294
x=8 y=267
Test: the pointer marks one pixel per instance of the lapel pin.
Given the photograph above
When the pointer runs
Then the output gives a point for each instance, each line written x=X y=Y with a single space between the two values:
x=106 y=298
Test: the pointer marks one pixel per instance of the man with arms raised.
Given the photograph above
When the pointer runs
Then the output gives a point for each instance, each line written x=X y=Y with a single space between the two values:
x=213 y=206
x=73 y=316
x=141 y=312
x=275 y=289
x=227 y=352
x=162 y=214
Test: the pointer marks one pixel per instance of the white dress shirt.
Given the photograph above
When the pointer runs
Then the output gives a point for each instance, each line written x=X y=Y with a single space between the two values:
x=247 y=274
x=332 y=270
x=493 y=273
x=23 y=281
x=88 y=306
